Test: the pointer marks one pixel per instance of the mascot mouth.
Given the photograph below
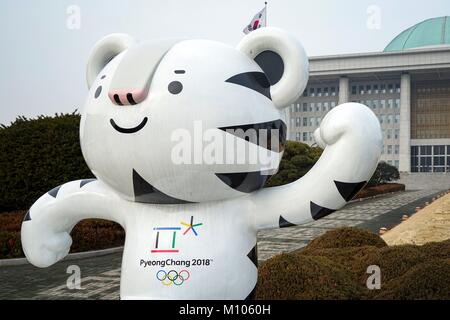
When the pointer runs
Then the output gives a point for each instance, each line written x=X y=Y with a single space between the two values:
x=264 y=131
x=129 y=130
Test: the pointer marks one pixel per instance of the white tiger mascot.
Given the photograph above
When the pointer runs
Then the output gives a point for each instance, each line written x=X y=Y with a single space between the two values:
x=190 y=222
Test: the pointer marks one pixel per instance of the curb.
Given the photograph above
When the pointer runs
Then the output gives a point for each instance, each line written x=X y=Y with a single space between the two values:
x=72 y=256
x=376 y=196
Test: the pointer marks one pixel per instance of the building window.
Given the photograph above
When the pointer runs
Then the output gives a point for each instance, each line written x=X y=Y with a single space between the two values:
x=389 y=149
x=425 y=150
x=391 y=88
x=305 y=136
x=311 y=107
x=333 y=104
x=397 y=103
x=353 y=89
x=439 y=150
x=425 y=164
x=375 y=88
x=319 y=92
x=389 y=134
x=305 y=93
x=311 y=92
x=397 y=133
x=333 y=91
x=298 y=122
x=391 y=103
x=397 y=87
x=382 y=104
x=305 y=122
x=397 y=119
x=318 y=106
x=297 y=136
x=397 y=149
x=383 y=88
x=390 y=119
x=361 y=89
x=375 y=104
x=369 y=89
x=325 y=106
x=325 y=92
x=397 y=164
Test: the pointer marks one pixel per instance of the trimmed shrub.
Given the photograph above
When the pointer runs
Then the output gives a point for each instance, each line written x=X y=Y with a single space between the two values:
x=350 y=258
x=407 y=271
x=11 y=222
x=429 y=280
x=96 y=235
x=92 y=234
x=298 y=159
x=345 y=237
x=383 y=174
x=295 y=277
x=437 y=250
x=394 y=261
x=37 y=155
x=370 y=191
x=10 y=245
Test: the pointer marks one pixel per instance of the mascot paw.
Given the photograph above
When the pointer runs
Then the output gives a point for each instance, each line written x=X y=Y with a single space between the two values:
x=44 y=249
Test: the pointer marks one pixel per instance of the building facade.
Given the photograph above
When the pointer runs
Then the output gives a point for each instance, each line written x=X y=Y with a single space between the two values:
x=407 y=86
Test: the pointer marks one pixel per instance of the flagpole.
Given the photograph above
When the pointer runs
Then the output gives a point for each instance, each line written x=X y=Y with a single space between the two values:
x=265 y=12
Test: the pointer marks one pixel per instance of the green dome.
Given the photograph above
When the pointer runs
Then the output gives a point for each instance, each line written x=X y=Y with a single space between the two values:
x=431 y=32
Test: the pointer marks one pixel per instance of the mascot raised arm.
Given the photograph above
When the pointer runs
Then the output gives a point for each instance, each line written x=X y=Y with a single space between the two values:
x=191 y=223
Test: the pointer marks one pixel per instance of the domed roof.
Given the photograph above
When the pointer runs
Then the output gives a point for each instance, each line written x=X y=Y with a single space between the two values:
x=431 y=32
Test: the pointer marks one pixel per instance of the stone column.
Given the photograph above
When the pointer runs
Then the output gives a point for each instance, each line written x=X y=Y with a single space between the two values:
x=344 y=94
x=405 y=124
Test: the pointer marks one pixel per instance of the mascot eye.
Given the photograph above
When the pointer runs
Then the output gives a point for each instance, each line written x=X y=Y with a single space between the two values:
x=97 y=92
x=175 y=87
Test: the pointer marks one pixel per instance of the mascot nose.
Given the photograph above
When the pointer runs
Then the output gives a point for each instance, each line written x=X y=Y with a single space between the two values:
x=125 y=97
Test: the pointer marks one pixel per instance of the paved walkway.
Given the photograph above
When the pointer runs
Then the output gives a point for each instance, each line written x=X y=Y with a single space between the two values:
x=101 y=275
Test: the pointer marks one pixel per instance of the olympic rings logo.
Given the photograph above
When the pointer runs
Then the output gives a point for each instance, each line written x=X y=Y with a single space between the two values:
x=177 y=278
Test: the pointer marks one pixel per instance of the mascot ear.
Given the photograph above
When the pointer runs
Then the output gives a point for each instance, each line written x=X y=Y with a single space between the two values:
x=104 y=51
x=283 y=60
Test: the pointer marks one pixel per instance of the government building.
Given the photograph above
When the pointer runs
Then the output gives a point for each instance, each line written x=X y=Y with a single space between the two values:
x=407 y=86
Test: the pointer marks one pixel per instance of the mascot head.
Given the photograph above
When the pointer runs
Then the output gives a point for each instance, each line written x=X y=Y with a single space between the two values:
x=168 y=121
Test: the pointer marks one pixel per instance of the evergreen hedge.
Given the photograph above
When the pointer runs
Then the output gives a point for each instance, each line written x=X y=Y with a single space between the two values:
x=37 y=155
x=297 y=160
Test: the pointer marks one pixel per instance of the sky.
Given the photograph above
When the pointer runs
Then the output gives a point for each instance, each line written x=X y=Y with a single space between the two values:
x=45 y=43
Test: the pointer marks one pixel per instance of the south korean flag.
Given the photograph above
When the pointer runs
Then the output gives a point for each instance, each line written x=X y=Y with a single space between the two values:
x=258 y=21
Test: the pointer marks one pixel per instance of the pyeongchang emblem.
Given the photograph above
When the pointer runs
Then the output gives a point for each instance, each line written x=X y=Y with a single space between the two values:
x=169 y=236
